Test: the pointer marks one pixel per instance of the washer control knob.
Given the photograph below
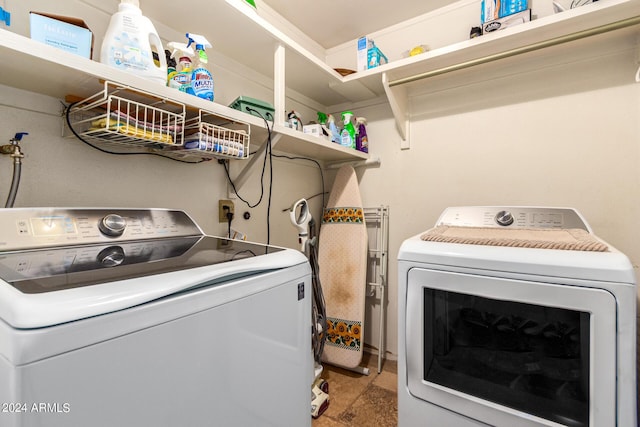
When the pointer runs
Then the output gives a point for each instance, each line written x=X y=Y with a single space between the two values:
x=112 y=256
x=112 y=225
x=504 y=218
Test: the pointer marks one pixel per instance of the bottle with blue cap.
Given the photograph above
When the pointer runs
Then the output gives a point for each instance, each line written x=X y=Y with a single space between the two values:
x=201 y=78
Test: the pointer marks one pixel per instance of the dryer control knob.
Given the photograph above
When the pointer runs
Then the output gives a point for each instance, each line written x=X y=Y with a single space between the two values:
x=112 y=256
x=504 y=218
x=112 y=225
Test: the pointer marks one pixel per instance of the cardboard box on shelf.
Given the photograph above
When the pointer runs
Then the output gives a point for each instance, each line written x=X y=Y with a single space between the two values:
x=375 y=57
x=364 y=44
x=507 y=21
x=63 y=32
x=495 y=9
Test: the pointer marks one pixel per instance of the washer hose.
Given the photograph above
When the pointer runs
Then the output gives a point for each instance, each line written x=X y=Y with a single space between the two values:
x=15 y=182
x=13 y=149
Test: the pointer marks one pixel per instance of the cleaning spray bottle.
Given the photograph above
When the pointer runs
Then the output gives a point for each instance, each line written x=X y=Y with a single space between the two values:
x=201 y=78
x=335 y=132
x=181 y=79
x=362 y=141
x=348 y=134
x=130 y=42
x=322 y=120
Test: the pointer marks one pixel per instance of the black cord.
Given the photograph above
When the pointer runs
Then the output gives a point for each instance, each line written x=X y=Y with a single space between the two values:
x=319 y=304
x=319 y=169
x=229 y=216
x=67 y=116
x=268 y=154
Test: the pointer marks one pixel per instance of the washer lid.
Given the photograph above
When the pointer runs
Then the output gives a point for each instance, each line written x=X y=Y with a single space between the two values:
x=45 y=287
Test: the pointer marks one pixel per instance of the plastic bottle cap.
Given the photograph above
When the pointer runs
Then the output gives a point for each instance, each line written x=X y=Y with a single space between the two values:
x=136 y=3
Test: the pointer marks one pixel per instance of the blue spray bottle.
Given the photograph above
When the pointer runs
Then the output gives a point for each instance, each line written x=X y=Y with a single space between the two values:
x=335 y=132
x=201 y=78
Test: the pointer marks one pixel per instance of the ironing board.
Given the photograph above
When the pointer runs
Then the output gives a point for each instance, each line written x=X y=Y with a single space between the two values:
x=342 y=259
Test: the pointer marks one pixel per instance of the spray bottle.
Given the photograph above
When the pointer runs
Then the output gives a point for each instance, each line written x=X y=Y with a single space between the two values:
x=322 y=119
x=348 y=134
x=333 y=129
x=362 y=141
x=181 y=78
x=201 y=78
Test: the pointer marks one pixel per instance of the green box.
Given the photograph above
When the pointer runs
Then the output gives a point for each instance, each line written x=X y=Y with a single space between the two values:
x=253 y=106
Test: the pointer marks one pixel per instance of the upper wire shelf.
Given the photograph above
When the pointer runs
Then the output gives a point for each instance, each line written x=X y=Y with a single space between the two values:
x=123 y=118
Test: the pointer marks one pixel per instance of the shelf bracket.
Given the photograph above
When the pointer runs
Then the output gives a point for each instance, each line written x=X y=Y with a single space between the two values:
x=373 y=162
x=279 y=83
x=398 y=101
x=638 y=58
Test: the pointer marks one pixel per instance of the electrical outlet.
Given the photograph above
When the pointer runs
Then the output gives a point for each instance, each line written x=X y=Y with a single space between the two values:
x=222 y=212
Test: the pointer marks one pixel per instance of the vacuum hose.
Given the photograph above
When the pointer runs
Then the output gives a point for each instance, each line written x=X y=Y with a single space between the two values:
x=319 y=305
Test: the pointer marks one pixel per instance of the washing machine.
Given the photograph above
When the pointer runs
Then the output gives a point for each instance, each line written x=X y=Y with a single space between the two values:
x=515 y=316
x=135 y=317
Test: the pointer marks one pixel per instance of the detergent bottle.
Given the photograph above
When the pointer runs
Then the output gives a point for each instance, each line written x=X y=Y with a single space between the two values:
x=201 y=78
x=181 y=78
x=130 y=42
x=348 y=134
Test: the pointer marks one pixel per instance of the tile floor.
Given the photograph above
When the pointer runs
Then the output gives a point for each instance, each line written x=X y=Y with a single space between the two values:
x=359 y=400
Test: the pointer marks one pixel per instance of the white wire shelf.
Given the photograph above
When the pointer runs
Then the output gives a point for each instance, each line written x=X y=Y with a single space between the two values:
x=204 y=138
x=123 y=119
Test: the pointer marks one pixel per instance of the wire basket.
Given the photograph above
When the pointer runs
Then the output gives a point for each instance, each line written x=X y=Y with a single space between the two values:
x=204 y=138
x=120 y=115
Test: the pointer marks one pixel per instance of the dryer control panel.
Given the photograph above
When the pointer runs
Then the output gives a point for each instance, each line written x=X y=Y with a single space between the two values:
x=513 y=217
x=34 y=228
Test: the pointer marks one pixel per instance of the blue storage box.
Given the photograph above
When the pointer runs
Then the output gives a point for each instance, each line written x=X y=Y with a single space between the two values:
x=509 y=7
x=62 y=32
x=375 y=57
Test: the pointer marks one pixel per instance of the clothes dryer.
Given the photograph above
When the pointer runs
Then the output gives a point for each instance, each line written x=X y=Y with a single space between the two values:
x=514 y=317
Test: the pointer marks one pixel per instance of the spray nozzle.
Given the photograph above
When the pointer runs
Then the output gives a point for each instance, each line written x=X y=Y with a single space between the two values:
x=346 y=116
x=201 y=43
x=180 y=50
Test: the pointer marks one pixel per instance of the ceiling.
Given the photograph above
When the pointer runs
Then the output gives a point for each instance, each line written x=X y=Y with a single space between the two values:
x=334 y=22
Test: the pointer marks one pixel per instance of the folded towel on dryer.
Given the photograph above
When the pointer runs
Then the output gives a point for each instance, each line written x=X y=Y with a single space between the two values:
x=573 y=239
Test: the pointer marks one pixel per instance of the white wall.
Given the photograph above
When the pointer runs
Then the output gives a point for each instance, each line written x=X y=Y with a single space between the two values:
x=560 y=136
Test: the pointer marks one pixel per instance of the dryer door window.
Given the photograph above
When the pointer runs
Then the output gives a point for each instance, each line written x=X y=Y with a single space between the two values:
x=531 y=358
x=511 y=352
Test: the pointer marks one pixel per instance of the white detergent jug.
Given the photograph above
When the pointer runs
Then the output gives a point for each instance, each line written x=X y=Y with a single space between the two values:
x=130 y=42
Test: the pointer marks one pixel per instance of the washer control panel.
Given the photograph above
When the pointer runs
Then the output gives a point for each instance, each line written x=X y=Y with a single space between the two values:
x=32 y=228
x=513 y=217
